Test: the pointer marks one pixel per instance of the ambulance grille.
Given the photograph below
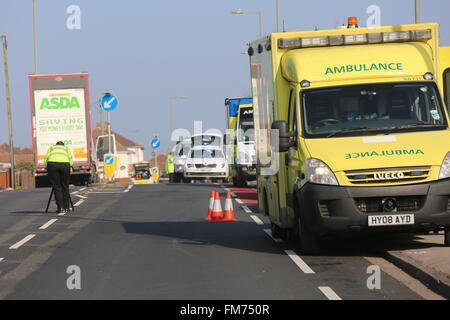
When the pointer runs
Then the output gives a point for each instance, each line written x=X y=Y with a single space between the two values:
x=374 y=205
x=198 y=166
x=388 y=175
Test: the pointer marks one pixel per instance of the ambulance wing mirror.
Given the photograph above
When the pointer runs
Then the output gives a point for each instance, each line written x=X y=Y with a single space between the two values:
x=285 y=141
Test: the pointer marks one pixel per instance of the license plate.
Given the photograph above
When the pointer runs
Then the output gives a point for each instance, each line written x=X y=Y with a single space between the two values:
x=390 y=220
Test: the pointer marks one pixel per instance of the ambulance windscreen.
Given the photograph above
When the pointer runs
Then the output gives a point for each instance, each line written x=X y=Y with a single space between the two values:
x=371 y=109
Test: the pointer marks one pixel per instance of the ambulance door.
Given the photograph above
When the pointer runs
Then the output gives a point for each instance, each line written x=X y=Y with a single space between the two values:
x=291 y=159
x=446 y=84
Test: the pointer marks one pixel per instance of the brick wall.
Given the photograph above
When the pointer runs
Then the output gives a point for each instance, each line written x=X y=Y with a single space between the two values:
x=5 y=180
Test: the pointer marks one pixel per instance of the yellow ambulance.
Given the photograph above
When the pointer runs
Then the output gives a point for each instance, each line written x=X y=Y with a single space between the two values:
x=351 y=129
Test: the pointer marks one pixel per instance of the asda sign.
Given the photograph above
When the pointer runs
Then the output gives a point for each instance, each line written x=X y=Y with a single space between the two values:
x=60 y=114
x=59 y=103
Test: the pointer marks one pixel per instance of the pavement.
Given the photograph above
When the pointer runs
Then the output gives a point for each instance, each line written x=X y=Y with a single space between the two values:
x=428 y=261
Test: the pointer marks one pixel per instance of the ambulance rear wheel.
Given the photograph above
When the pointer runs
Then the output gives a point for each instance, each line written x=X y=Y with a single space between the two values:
x=276 y=231
x=239 y=181
x=447 y=236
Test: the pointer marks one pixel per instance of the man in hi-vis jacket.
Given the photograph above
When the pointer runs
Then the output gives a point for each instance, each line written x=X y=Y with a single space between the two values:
x=58 y=161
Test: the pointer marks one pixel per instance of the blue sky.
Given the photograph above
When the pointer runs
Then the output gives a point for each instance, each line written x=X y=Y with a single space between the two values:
x=147 y=51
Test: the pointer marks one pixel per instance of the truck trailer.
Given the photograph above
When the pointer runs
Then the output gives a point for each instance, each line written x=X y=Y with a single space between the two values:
x=60 y=111
x=352 y=132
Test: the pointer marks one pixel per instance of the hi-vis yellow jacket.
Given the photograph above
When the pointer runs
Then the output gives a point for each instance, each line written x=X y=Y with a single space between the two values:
x=58 y=153
x=170 y=168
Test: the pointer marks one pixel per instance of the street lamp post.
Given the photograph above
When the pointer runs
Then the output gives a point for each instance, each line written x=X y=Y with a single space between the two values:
x=171 y=112
x=417 y=11
x=35 y=39
x=8 y=104
x=278 y=15
x=240 y=11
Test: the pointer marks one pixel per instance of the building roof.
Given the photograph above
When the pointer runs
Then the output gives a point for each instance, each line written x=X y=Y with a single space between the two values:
x=122 y=143
x=20 y=155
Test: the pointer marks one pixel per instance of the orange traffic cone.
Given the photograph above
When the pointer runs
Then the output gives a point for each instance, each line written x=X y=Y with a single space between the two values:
x=228 y=211
x=217 y=214
x=211 y=205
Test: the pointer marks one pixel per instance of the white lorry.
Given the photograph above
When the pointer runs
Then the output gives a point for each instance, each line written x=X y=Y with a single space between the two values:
x=60 y=112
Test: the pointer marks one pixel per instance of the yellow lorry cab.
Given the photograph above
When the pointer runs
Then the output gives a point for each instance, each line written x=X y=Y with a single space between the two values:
x=239 y=141
x=351 y=129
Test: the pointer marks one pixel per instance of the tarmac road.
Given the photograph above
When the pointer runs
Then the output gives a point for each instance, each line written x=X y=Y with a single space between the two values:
x=153 y=242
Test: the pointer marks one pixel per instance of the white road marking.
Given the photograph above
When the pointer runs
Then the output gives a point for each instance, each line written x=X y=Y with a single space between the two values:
x=329 y=293
x=1 y=259
x=75 y=192
x=84 y=188
x=227 y=190
x=129 y=188
x=256 y=219
x=299 y=262
x=82 y=197
x=246 y=209
x=22 y=242
x=62 y=213
x=78 y=203
x=269 y=232
x=238 y=201
x=48 y=224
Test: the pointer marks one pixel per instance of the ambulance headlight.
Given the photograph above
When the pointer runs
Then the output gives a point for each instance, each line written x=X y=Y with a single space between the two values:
x=319 y=172
x=445 y=167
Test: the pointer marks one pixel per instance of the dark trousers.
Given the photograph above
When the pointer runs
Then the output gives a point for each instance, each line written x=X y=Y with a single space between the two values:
x=59 y=177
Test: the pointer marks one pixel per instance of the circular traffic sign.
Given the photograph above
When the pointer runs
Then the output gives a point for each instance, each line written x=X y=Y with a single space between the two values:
x=109 y=102
x=156 y=143
x=109 y=159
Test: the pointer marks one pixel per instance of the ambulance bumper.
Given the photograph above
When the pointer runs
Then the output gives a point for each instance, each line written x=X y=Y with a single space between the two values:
x=338 y=209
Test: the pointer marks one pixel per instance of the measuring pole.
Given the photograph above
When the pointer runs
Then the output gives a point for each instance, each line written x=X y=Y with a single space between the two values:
x=8 y=104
